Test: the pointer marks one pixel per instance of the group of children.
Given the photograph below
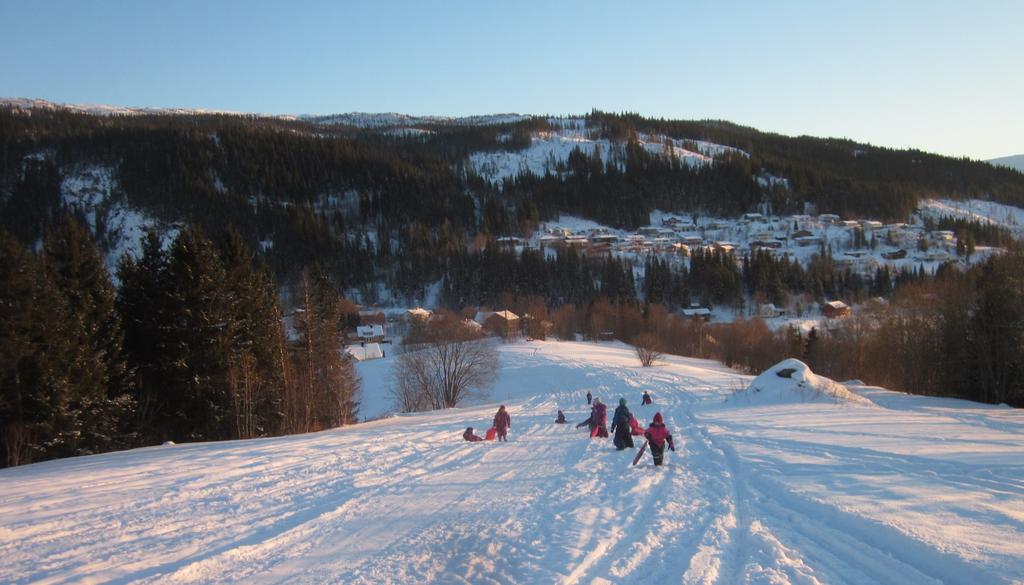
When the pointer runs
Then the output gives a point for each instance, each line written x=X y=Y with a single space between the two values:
x=499 y=429
x=624 y=426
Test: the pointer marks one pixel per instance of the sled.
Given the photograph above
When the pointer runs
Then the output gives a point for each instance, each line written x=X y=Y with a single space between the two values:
x=492 y=433
x=640 y=453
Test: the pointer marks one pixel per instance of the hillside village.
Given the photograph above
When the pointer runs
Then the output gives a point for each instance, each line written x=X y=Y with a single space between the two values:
x=862 y=246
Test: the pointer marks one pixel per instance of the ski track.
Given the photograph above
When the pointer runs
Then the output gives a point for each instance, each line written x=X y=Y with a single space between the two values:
x=751 y=494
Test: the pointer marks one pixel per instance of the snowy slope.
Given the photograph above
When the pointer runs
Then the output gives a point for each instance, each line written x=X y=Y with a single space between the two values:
x=90 y=190
x=903 y=490
x=1014 y=162
x=1005 y=216
x=549 y=148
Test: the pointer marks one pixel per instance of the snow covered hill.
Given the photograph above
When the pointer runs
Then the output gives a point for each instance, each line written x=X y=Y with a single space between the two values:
x=1007 y=217
x=548 y=149
x=896 y=489
x=1014 y=162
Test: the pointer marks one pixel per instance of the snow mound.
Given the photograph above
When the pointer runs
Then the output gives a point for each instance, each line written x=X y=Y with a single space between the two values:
x=791 y=380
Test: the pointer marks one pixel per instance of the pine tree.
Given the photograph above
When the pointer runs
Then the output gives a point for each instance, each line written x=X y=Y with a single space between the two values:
x=142 y=302
x=198 y=340
x=98 y=400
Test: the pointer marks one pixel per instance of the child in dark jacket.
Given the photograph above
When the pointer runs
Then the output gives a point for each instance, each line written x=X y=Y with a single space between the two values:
x=561 y=418
x=621 y=428
x=470 y=436
x=657 y=437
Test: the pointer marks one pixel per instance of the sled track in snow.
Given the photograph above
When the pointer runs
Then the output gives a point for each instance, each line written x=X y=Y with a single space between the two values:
x=752 y=495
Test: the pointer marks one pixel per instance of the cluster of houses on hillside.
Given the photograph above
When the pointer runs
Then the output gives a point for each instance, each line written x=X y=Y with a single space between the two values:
x=859 y=244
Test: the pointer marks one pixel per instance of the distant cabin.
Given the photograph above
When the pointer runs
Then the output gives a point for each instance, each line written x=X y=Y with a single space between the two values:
x=836 y=310
x=870 y=224
x=502 y=323
x=604 y=239
x=368 y=351
x=807 y=240
x=370 y=332
x=896 y=255
x=509 y=242
x=551 y=240
x=699 y=313
x=724 y=247
x=770 y=310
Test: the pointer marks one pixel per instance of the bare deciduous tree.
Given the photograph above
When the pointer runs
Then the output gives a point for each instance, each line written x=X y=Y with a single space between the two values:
x=646 y=349
x=451 y=363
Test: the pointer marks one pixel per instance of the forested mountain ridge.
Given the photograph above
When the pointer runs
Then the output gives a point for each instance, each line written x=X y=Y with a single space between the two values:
x=391 y=200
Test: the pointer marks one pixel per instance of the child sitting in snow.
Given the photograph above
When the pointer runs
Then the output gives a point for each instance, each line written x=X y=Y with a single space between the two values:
x=561 y=418
x=470 y=436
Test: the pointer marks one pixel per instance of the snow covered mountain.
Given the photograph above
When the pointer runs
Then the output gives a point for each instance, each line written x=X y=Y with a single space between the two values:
x=775 y=480
x=1014 y=162
x=109 y=110
x=358 y=119
x=392 y=119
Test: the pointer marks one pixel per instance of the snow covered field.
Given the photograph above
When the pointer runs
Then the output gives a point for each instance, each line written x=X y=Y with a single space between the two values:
x=770 y=485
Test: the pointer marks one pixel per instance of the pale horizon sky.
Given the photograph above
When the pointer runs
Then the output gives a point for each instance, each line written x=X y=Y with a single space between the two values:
x=941 y=76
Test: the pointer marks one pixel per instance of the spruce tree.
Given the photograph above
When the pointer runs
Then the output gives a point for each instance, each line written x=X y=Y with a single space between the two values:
x=95 y=368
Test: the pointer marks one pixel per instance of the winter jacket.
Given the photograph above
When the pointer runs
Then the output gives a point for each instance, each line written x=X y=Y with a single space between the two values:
x=621 y=418
x=600 y=414
x=658 y=434
x=561 y=418
x=646 y=399
x=469 y=436
x=502 y=420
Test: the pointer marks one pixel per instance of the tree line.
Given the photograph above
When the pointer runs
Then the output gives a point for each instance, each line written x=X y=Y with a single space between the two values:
x=192 y=345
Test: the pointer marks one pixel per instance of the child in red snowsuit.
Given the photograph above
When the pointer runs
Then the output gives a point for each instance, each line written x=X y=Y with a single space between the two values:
x=470 y=436
x=502 y=422
x=657 y=436
x=599 y=424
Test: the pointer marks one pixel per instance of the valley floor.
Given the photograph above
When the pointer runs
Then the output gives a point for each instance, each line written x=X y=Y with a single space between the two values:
x=762 y=489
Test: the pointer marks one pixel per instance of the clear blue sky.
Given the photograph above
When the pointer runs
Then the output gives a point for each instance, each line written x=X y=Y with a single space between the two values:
x=943 y=76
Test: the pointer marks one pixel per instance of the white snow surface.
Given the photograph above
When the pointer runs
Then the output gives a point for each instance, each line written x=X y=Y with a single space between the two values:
x=91 y=191
x=1015 y=162
x=549 y=148
x=899 y=489
x=792 y=381
x=1005 y=216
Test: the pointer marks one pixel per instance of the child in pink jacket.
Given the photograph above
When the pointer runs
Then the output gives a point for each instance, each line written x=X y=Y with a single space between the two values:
x=657 y=437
